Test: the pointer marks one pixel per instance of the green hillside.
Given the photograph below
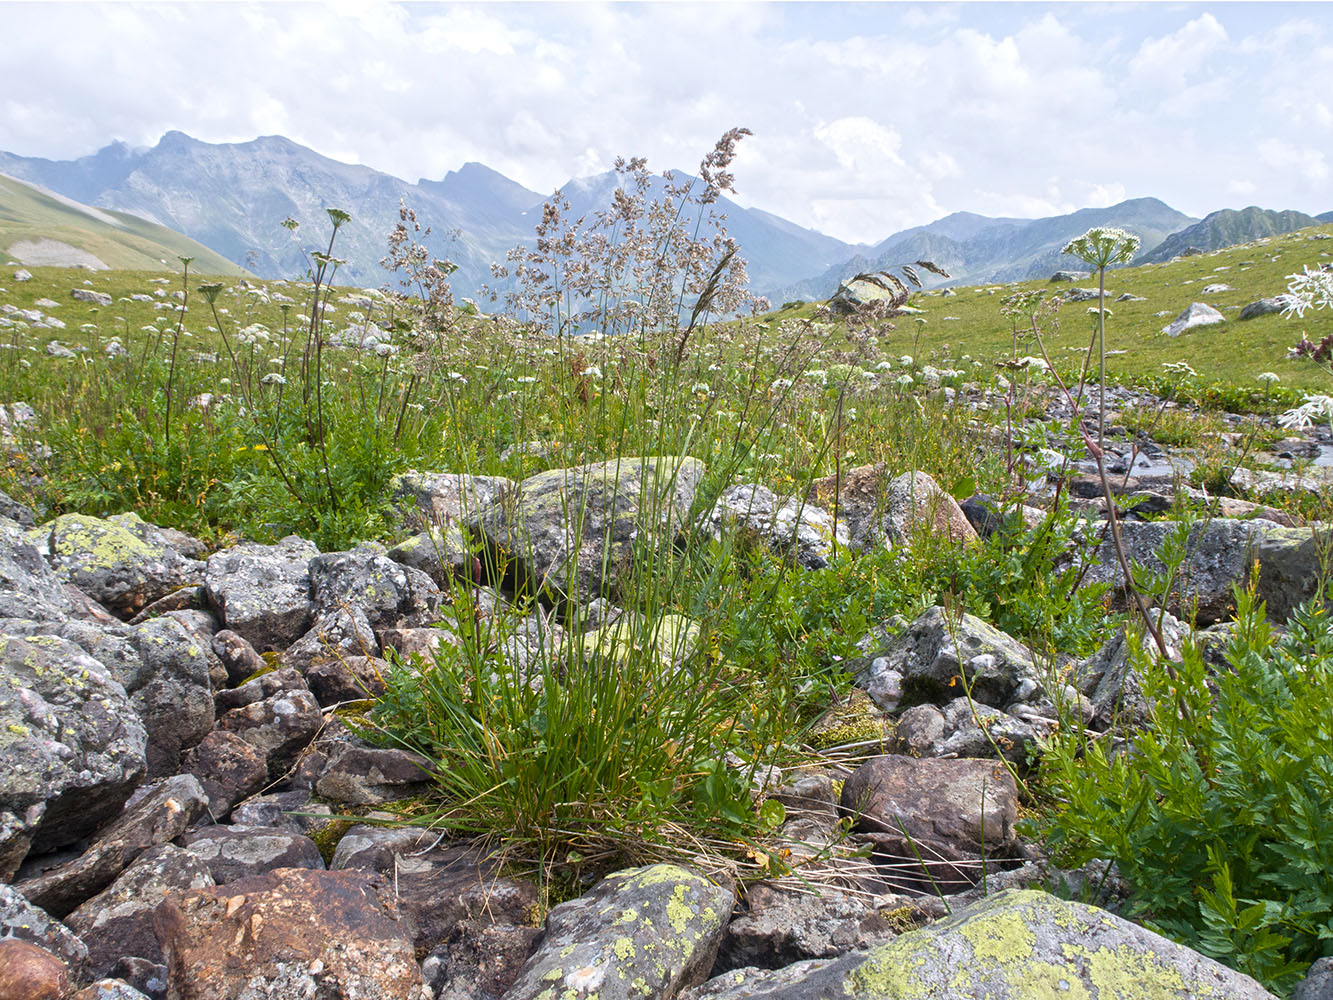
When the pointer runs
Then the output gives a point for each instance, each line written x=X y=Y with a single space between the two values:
x=37 y=227
x=968 y=326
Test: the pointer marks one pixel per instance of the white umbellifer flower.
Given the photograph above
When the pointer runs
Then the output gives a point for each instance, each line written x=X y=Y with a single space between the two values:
x=869 y=375
x=385 y=350
x=817 y=375
x=1268 y=378
x=905 y=380
x=1181 y=368
x=1032 y=362
x=593 y=371
x=1102 y=246
x=273 y=378
x=700 y=387
x=906 y=360
x=885 y=366
x=1314 y=408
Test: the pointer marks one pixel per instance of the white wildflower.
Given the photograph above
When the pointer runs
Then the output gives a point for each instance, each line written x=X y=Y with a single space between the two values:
x=1268 y=378
x=1315 y=408
x=1181 y=368
x=273 y=378
x=906 y=361
x=905 y=380
x=1308 y=290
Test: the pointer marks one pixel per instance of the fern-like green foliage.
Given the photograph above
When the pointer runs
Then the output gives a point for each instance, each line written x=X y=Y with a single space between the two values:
x=1217 y=813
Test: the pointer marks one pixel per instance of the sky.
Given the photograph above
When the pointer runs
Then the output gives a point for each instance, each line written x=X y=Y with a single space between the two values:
x=868 y=118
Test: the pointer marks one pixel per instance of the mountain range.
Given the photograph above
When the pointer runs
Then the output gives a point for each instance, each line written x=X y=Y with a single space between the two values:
x=234 y=197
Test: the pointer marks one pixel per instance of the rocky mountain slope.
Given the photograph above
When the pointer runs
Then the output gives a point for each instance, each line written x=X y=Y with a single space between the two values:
x=1228 y=227
x=234 y=197
x=975 y=249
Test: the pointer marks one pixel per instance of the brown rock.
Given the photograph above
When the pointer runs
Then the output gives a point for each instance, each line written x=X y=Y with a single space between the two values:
x=31 y=973
x=289 y=933
x=933 y=821
x=349 y=679
x=229 y=768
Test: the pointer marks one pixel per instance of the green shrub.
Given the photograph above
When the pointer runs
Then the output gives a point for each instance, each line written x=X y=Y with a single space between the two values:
x=1216 y=814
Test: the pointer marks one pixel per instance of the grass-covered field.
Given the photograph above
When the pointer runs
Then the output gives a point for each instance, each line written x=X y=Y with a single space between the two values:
x=232 y=408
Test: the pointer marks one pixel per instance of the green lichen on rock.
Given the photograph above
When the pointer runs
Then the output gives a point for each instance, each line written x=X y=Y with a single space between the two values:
x=669 y=640
x=856 y=720
x=1028 y=945
x=639 y=934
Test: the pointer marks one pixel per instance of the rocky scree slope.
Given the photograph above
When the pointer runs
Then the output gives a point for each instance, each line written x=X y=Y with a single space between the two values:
x=170 y=819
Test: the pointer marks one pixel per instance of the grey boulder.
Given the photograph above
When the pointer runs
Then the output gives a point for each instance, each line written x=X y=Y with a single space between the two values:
x=1195 y=314
x=73 y=746
x=803 y=529
x=262 y=592
x=575 y=532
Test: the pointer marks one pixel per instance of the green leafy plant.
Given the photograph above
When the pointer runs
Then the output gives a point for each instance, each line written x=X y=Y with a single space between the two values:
x=1215 y=813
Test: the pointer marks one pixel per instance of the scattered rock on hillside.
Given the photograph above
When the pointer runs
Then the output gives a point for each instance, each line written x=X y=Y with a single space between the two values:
x=388 y=594
x=112 y=564
x=1112 y=681
x=1196 y=314
x=118 y=921
x=967 y=729
x=158 y=814
x=915 y=504
x=88 y=295
x=22 y=275
x=1265 y=307
x=21 y=921
x=275 y=713
x=28 y=972
x=779 y=927
x=15 y=511
x=1219 y=553
x=1216 y=289
x=29 y=587
x=1068 y=276
x=1081 y=295
x=231 y=853
x=439 y=499
x=229 y=768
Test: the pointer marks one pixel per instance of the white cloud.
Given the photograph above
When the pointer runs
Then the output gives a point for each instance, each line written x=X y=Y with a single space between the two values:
x=1241 y=187
x=1166 y=62
x=867 y=119
x=1303 y=160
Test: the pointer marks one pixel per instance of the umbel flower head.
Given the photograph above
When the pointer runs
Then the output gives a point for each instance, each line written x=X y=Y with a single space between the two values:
x=1102 y=246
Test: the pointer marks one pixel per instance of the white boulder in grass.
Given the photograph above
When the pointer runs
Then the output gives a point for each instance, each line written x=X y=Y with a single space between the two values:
x=1197 y=314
